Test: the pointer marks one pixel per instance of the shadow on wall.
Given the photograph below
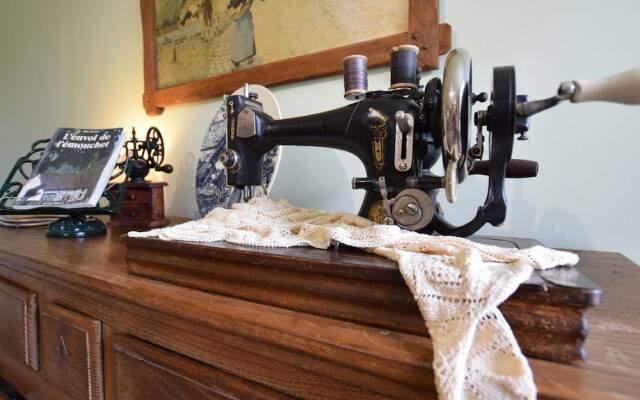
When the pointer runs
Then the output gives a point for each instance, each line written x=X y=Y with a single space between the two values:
x=297 y=179
x=556 y=227
x=562 y=229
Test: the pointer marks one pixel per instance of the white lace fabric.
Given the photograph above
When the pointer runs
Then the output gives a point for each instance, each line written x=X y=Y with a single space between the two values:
x=458 y=284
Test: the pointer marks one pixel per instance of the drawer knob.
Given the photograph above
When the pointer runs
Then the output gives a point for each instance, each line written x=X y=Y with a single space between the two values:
x=132 y=214
x=132 y=197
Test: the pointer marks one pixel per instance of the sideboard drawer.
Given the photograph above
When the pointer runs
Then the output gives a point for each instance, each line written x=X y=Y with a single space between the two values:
x=145 y=372
x=72 y=353
x=19 y=323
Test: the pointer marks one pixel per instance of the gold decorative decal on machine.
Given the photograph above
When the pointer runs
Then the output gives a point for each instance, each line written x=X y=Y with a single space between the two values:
x=379 y=129
x=376 y=213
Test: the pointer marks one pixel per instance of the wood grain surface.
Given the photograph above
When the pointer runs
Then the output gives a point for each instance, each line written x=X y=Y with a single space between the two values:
x=354 y=286
x=72 y=353
x=146 y=372
x=294 y=353
x=19 y=324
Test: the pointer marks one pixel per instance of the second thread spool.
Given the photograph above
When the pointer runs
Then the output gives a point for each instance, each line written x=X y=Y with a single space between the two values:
x=404 y=67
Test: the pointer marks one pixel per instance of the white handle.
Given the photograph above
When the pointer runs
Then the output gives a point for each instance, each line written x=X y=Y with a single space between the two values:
x=620 y=88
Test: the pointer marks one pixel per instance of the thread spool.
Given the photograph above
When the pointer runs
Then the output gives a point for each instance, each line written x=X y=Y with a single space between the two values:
x=404 y=67
x=354 y=71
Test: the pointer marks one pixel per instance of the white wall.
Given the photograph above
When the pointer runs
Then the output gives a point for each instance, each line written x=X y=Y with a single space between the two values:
x=79 y=63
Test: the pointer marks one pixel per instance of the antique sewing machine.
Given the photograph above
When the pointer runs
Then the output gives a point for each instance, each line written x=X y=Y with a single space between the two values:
x=400 y=133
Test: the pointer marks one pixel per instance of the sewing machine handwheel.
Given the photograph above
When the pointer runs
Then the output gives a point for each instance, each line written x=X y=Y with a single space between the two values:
x=456 y=111
x=502 y=120
x=501 y=124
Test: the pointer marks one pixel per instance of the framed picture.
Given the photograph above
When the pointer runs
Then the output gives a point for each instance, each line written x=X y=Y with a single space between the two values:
x=198 y=49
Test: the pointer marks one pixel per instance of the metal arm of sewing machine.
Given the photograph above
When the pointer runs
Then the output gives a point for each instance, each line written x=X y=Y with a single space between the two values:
x=358 y=128
x=252 y=133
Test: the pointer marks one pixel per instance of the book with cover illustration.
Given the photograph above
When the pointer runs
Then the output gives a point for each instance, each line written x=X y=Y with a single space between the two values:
x=74 y=169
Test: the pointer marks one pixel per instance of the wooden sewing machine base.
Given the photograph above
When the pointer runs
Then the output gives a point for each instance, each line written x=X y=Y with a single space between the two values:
x=546 y=313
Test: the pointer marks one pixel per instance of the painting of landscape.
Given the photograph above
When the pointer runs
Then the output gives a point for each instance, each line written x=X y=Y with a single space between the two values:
x=198 y=39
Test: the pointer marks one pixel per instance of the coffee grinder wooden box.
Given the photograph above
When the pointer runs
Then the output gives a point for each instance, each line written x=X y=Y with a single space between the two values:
x=143 y=204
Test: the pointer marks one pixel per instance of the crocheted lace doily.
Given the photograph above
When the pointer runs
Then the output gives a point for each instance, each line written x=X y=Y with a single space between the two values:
x=458 y=284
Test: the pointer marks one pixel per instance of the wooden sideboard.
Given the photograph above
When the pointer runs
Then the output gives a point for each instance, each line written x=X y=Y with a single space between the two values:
x=74 y=324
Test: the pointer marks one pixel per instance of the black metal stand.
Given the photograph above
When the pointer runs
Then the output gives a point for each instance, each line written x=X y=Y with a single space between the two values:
x=78 y=224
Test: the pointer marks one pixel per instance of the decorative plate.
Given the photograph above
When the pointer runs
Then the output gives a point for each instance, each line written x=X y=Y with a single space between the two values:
x=211 y=182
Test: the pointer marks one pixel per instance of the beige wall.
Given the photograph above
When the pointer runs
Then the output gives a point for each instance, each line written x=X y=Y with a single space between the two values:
x=78 y=63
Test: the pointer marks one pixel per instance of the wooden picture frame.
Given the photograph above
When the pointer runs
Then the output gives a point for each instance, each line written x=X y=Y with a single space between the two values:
x=424 y=30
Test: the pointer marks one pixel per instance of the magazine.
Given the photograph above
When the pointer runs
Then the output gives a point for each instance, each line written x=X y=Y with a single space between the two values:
x=74 y=169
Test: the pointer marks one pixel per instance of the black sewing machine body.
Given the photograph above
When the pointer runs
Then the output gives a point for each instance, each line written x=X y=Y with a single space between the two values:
x=399 y=135
x=367 y=129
